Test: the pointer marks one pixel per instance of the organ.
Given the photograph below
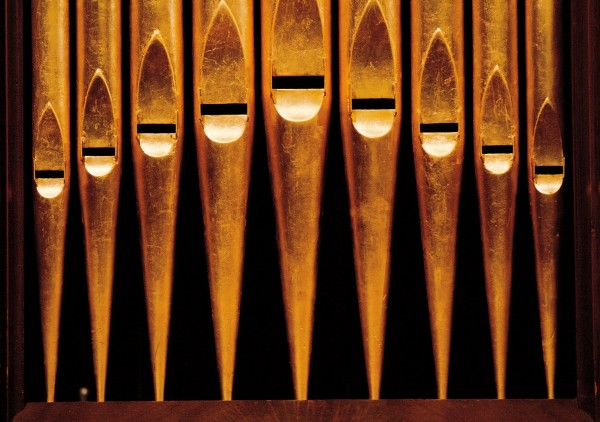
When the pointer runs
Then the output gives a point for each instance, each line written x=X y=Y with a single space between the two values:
x=304 y=154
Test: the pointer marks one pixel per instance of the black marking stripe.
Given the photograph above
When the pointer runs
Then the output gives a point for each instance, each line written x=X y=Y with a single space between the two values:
x=156 y=128
x=549 y=170
x=49 y=174
x=223 y=109
x=497 y=149
x=373 y=104
x=298 y=82
x=98 y=152
x=439 y=127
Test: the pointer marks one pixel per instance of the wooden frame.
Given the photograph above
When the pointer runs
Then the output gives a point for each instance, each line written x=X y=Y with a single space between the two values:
x=586 y=149
x=11 y=295
x=585 y=140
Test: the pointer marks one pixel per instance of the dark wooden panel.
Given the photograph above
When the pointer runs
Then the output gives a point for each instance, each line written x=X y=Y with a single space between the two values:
x=334 y=410
x=12 y=300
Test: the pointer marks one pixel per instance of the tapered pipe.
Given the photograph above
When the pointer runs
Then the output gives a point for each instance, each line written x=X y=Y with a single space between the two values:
x=224 y=119
x=156 y=36
x=51 y=164
x=296 y=88
x=99 y=129
x=437 y=66
x=370 y=102
x=496 y=147
x=545 y=160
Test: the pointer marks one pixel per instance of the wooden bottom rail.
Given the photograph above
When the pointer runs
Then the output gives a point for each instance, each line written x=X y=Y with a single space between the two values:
x=312 y=410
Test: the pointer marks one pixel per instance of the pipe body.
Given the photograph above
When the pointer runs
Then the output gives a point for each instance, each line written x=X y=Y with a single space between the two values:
x=370 y=110
x=545 y=161
x=296 y=89
x=156 y=36
x=496 y=142
x=438 y=126
x=224 y=121
x=99 y=141
x=51 y=164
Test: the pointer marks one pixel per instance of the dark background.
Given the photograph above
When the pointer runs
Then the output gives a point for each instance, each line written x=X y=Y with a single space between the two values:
x=262 y=370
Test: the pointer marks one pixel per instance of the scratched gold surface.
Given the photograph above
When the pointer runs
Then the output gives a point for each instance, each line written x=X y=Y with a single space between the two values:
x=545 y=161
x=51 y=126
x=156 y=37
x=224 y=75
x=370 y=70
x=99 y=128
x=437 y=68
x=296 y=41
x=496 y=152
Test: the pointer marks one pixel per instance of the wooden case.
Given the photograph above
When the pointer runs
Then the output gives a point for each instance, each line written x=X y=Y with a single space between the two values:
x=338 y=387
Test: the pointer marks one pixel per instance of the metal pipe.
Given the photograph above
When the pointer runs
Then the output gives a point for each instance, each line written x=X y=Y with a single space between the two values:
x=546 y=161
x=156 y=34
x=496 y=142
x=296 y=88
x=51 y=164
x=224 y=120
x=99 y=139
x=370 y=103
x=438 y=127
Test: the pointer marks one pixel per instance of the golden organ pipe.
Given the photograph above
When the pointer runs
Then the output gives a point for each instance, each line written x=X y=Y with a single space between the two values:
x=156 y=36
x=437 y=66
x=496 y=146
x=224 y=119
x=296 y=88
x=99 y=129
x=51 y=164
x=370 y=101
x=545 y=161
